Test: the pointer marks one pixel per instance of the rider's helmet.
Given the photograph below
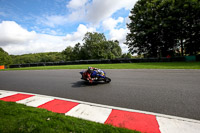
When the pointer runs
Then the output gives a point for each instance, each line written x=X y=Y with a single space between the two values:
x=90 y=69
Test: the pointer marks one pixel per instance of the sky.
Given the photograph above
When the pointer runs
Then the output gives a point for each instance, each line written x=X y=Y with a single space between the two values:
x=34 y=26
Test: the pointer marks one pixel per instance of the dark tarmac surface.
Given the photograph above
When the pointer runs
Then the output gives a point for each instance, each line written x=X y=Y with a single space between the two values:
x=171 y=92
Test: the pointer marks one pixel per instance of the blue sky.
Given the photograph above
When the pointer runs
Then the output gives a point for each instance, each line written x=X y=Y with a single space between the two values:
x=31 y=26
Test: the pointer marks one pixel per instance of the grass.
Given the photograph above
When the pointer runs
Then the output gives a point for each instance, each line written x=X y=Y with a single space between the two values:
x=23 y=119
x=156 y=65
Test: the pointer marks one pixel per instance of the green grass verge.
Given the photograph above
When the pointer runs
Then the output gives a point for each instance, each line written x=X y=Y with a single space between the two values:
x=16 y=118
x=156 y=65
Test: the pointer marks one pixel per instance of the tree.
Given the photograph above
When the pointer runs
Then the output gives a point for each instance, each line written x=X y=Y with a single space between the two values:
x=112 y=50
x=191 y=22
x=160 y=26
x=68 y=53
x=5 y=58
x=127 y=56
x=144 y=36
x=97 y=47
x=38 y=57
x=94 y=45
x=76 y=55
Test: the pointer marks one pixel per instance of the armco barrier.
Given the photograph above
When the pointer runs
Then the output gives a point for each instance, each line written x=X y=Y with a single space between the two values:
x=42 y=64
x=107 y=61
x=33 y=64
x=190 y=58
x=15 y=66
x=25 y=65
x=178 y=59
x=164 y=59
x=198 y=57
x=49 y=64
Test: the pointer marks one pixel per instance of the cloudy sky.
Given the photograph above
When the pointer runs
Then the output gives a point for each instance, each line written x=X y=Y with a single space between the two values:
x=32 y=26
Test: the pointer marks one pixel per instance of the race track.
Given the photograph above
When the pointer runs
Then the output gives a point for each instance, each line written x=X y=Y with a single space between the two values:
x=171 y=92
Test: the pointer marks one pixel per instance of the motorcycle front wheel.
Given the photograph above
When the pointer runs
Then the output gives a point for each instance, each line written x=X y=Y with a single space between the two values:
x=107 y=80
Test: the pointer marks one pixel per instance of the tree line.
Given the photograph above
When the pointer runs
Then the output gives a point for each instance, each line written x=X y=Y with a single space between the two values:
x=95 y=46
x=164 y=27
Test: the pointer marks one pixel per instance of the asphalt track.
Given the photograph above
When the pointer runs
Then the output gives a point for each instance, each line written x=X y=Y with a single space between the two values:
x=171 y=92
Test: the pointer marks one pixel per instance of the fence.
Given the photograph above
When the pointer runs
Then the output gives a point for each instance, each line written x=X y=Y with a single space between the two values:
x=163 y=59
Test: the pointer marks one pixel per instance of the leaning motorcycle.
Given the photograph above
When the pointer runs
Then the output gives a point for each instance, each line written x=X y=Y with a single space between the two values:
x=96 y=76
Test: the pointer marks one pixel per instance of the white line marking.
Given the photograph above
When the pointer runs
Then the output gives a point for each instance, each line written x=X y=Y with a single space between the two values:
x=35 y=101
x=177 y=126
x=6 y=93
x=92 y=113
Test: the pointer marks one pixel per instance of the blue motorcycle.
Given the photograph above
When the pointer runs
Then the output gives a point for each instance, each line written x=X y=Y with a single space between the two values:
x=98 y=75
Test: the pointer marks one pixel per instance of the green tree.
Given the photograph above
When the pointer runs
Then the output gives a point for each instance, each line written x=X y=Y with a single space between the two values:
x=112 y=50
x=38 y=57
x=68 y=53
x=127 y=56
x=160 y=26
x=93 y=45
x=76 y=53
x=191 y=22
x=143 y=37
x=97 y=47
x=5 y=58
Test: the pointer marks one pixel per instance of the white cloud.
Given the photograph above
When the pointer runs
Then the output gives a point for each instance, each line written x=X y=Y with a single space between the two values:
x=120 y=35
x=16 y=40
x=48 y=31
x=41 y=43
x=79 y=34
x=111 y=23
x=127 y=19
x=75 y=4
x=52 y=20
x=76 y=15
x=12 y=33
x=90 y=11
x=99 y=10
x=76 y=9
x=96 y=11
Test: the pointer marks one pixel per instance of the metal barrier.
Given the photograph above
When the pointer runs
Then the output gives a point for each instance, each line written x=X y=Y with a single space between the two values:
x=108 y=61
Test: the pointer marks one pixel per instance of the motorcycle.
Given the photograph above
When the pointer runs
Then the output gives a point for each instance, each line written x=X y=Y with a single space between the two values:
x=96 y=76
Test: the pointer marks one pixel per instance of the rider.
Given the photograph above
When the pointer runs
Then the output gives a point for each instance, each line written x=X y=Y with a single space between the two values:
x=89 y=73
